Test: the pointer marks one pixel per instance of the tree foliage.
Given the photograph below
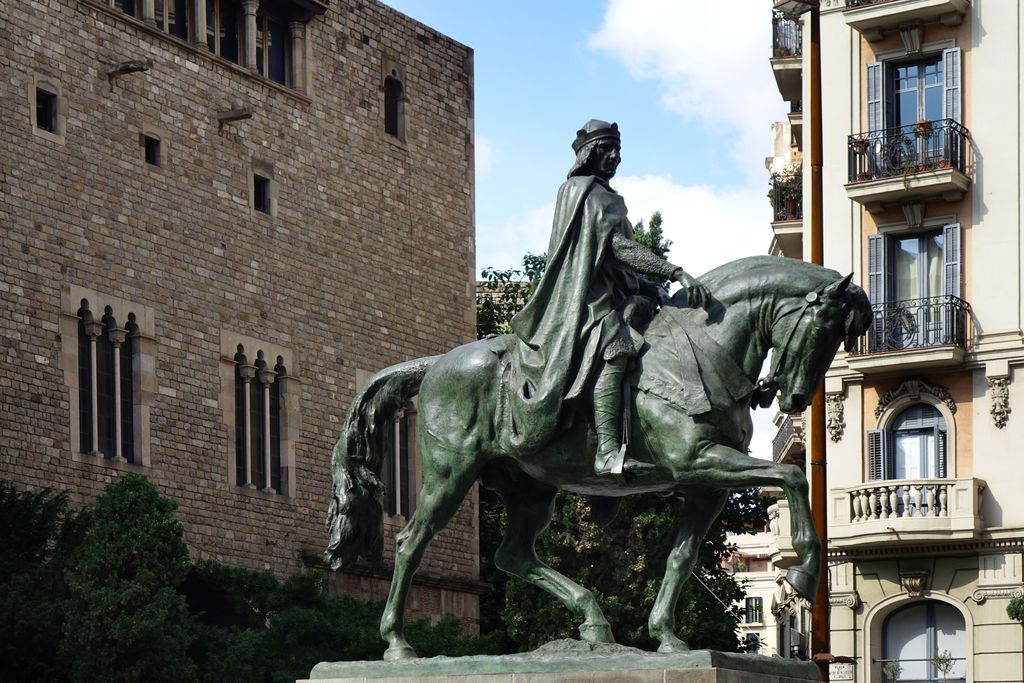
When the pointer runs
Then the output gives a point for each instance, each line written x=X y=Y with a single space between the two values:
x=110 y=595
x=126 y=621
x=38 y=535
x=623 y=563
x=501 y=293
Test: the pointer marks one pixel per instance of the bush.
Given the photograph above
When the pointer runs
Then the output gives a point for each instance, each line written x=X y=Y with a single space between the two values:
x=1015 y=610
x=111 y=596
x=37 y=535
x=126 y=621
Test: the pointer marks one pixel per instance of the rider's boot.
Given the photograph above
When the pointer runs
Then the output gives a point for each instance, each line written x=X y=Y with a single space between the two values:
x=611 y=453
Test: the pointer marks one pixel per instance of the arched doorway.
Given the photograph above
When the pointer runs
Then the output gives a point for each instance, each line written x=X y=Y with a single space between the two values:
x=922 y=639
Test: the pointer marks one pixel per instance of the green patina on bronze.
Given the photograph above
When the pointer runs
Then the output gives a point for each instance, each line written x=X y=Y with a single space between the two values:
x=692 y=384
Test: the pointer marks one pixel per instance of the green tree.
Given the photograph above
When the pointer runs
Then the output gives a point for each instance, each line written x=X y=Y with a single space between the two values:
x=125 y=621
x=652 y=236
x=501 y=293
x=623 y=564
x=38 y=534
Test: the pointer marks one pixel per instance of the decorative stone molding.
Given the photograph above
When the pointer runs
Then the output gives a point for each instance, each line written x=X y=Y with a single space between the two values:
x=915 y=583
x=851 y=600
x=1004 y=592
x=912 y=389
x=834 y=422
x=1000 y=400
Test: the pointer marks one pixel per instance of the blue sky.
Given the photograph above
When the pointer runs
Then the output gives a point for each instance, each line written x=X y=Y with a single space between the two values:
x=689 y=83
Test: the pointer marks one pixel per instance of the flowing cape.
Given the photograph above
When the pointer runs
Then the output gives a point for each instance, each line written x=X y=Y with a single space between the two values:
x=562 y=327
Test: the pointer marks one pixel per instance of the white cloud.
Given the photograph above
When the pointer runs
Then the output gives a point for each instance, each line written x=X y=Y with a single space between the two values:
x=708 y=226
x=710 y=59
x=504 y=245
x=483 y=157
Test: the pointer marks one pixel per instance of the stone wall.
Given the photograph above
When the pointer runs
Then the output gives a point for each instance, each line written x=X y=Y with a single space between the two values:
x=336 y=274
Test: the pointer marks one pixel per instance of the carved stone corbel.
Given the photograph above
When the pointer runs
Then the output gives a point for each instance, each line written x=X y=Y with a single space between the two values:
x=1000 y=400
x=915 y=583
x=834 y=422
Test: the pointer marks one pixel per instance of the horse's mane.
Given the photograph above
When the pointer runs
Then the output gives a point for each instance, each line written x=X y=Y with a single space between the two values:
x=766 y=270
x=777 y=277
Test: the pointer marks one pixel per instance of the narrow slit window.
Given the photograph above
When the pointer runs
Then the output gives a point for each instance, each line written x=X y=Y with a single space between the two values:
x=393 y=92
x=261 y=193
x=151 y=149
x=46 y=110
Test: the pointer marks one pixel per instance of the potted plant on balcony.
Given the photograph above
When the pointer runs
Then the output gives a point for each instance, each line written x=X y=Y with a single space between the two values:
x=923 y=128
x=785 y=189
x=859 y=145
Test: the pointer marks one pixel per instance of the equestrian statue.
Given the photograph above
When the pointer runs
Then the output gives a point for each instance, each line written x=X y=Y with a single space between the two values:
x=606 y=387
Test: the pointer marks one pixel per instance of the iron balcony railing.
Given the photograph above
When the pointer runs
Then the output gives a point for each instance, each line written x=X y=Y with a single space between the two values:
x=923 y=146
x=787 y=197
x=782 y=439
x=861 y=3
x=796 y=107
x=916 y=324
x=787 y=36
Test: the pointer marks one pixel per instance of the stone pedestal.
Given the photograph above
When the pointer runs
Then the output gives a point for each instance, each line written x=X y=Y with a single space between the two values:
x=570 y=661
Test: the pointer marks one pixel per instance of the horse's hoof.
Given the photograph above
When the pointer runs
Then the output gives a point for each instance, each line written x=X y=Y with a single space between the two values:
x=673 y=645
x=805 y=583
x=597 y=633
x=399 y=652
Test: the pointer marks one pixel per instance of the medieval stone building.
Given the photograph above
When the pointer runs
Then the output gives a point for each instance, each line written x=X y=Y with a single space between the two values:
x=218 y=217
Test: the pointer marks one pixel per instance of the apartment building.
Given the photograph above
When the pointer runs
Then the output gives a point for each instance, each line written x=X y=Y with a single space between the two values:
x=922 y=159
x=217 y=216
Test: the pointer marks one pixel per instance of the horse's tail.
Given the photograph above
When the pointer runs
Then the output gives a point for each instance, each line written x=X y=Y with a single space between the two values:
x=355 y=520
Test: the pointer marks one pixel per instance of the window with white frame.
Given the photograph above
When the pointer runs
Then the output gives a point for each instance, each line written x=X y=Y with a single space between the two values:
x=913 y=114
x=922 y=640
x=399 y=475
x=914 y=288
x=753 y=612
x=914 y=446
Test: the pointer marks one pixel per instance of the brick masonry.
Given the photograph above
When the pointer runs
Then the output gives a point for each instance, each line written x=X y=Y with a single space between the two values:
x=367 y=259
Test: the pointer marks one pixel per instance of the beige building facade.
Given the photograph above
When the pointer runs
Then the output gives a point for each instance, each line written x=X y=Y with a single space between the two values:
x=217 y=218
x=922 y=158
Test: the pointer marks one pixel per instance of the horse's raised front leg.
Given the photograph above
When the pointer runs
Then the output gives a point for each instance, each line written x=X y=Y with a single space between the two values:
x=530 y=504
x=697 y=512
x=723 y=467
x=447 y=477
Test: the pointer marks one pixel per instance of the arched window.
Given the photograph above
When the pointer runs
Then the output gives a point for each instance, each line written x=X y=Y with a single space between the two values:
x=914 y=446
x=925 y=642
x=258 y=422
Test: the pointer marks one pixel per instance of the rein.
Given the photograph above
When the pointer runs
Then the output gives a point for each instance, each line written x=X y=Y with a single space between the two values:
x=767 y=387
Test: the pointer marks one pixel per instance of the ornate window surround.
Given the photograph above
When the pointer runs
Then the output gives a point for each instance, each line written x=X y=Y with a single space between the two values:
x=143 y=366
x=291 y=425
x=916 y=391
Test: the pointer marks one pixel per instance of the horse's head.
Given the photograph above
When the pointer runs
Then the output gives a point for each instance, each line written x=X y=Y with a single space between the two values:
x=806 y=335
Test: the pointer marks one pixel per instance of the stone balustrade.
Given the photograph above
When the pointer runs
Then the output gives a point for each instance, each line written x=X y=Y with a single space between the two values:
x=906 y=510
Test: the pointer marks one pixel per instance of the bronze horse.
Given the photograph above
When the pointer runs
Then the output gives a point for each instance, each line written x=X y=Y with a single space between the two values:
x=799 y=310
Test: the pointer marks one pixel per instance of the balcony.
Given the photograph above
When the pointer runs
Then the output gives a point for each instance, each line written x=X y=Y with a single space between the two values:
x=796 y=123
x=788 y=444
x=786 y=195
x=781 y=544
x=873 y=18
x=906 y=511
x=914 y=334
x=895 y=166
x=787 y=61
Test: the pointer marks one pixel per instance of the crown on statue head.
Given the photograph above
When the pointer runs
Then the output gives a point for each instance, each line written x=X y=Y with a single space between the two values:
x=595 y=129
